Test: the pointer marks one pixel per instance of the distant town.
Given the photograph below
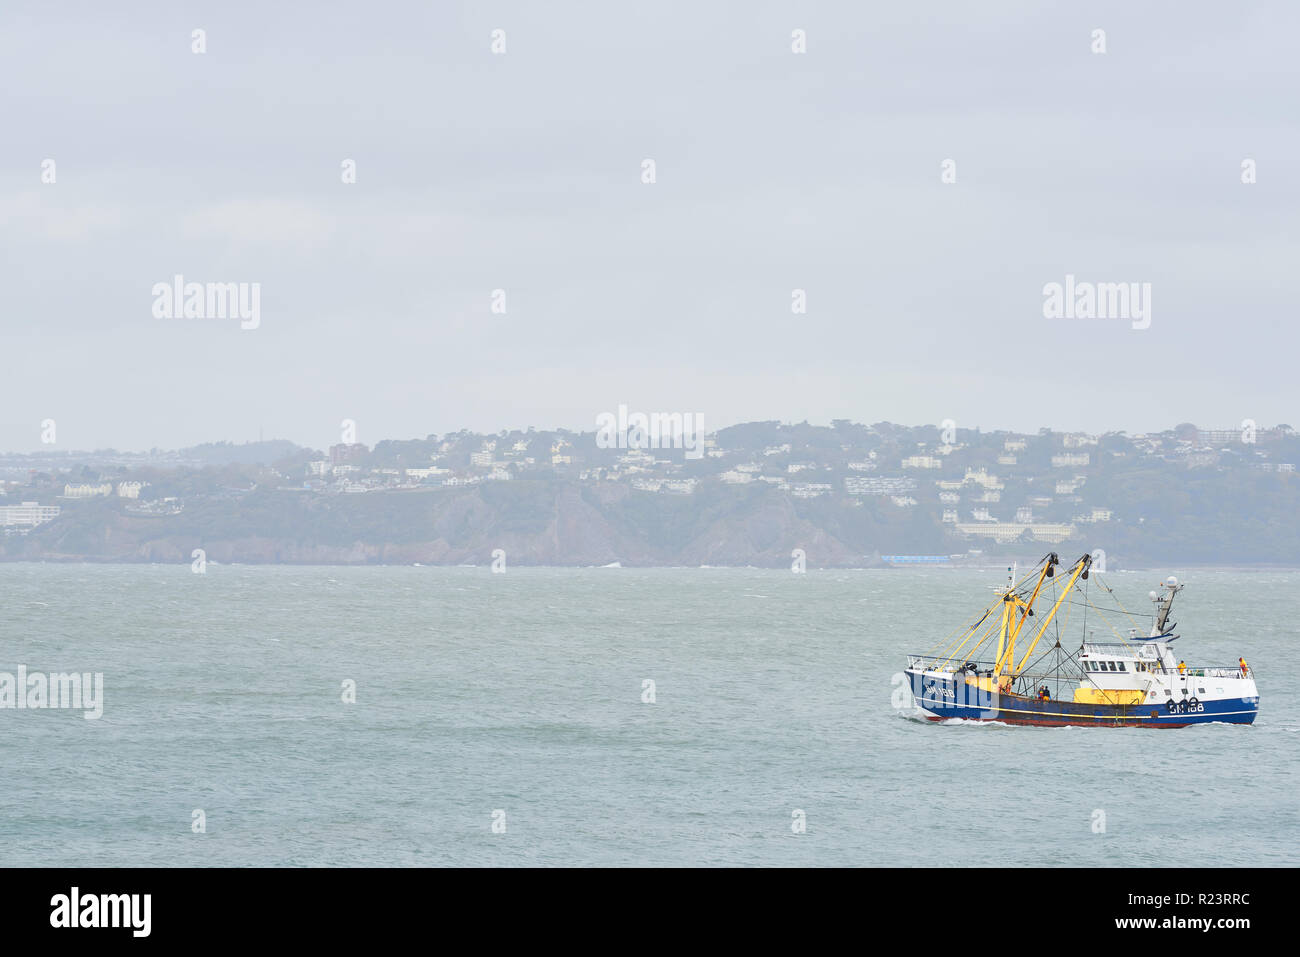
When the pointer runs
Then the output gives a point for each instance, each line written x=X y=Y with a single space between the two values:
x=845 y=494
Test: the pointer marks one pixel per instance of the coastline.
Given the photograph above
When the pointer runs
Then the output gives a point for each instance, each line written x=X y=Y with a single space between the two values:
x=987 y=566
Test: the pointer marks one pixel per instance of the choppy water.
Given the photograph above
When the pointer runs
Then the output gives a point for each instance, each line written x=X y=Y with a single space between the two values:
x=523 y=692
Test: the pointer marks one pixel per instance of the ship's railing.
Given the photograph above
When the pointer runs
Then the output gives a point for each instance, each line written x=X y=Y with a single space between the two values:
x=1220 y=671
x=931 y=663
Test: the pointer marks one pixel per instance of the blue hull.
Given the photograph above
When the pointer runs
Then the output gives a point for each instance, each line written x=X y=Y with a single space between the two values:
x=945 y=697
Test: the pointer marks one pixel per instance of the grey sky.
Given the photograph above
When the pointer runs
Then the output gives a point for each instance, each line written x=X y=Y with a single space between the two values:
x=775 y=171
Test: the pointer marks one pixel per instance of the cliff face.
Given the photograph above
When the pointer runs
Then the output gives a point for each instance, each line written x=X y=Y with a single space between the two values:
x=538 y=523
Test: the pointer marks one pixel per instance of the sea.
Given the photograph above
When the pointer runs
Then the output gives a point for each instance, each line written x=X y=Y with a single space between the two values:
x=433 y=716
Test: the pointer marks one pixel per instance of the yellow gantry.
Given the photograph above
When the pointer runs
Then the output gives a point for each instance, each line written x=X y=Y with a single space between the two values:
x=1015 y=612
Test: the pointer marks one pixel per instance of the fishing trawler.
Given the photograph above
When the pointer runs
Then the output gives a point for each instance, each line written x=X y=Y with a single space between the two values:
x=1130 y=681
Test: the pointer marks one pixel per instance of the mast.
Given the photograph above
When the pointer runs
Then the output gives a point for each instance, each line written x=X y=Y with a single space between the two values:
x=1164 y=603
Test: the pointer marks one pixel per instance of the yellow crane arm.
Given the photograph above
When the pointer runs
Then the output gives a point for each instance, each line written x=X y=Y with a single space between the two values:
x=1007 y=645
x=1006 y=654
x=1002 y=633
x=1048 y=569
x=1080 y=568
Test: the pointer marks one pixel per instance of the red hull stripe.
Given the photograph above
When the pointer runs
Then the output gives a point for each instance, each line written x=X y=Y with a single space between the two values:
x=1095 y=723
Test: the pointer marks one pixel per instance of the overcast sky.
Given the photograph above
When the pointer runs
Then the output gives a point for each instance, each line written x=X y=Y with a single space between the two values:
x=522 y=171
